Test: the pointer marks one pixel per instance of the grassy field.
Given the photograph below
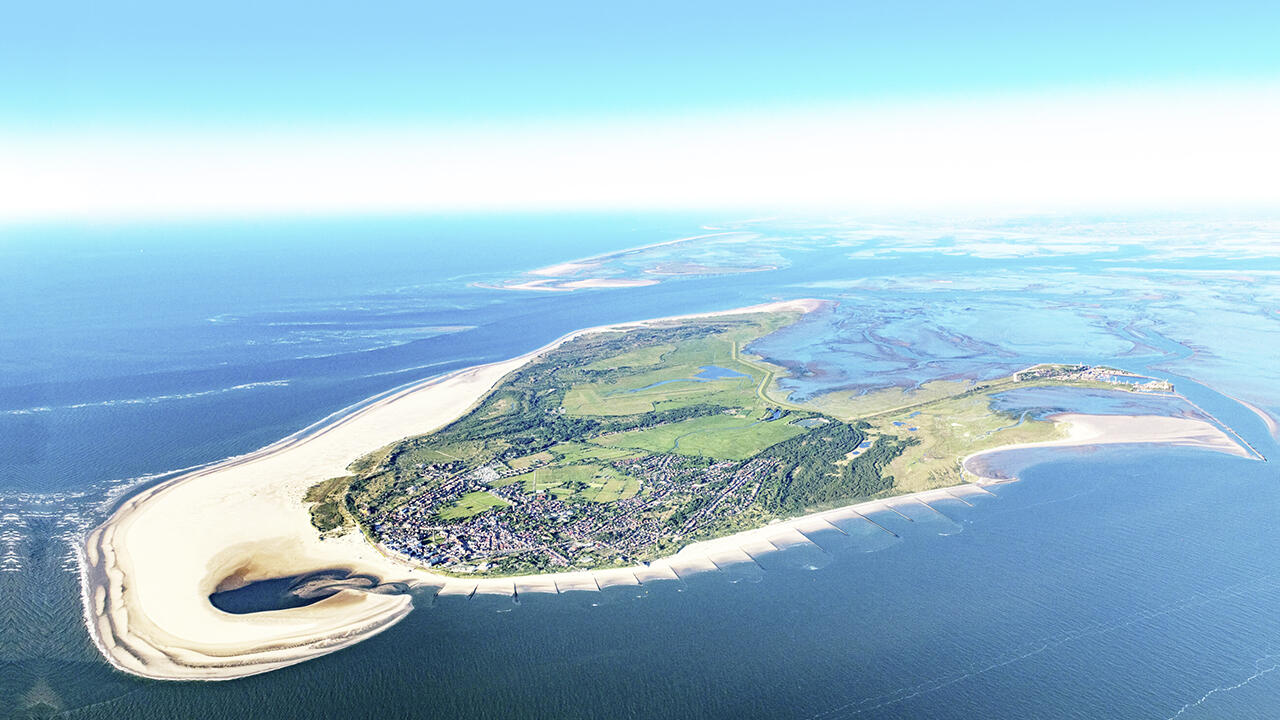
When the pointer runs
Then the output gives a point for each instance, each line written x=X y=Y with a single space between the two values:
x=473 y=503
x=722 y=437
x=619 y=487
x=593 y=483
x=599 y=399
x=627 y=395
x=576 y=452
x=521 y=463
x=638 y=358
x=949 y=429
x=846 y=406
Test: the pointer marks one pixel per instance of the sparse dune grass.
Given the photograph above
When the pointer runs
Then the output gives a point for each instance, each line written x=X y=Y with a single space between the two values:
x=949 y=429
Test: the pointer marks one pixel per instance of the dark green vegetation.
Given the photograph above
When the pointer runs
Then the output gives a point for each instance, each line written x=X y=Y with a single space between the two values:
x=816 y=471
x=614 y=448
x=327 y=502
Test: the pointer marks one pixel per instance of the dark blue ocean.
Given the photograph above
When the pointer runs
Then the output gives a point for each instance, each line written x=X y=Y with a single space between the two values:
x=1126 y=583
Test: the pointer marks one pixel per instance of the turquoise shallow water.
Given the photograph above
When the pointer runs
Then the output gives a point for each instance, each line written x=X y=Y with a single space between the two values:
x=1123 y=583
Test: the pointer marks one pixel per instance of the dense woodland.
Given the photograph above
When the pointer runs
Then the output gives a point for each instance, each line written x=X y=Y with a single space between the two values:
x=816 y=472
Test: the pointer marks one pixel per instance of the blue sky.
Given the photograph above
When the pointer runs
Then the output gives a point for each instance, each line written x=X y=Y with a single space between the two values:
x=140 y=64
x=146 y=109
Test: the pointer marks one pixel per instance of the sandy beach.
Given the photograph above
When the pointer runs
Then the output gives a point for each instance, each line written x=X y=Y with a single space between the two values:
x=148 y=571
x=1085 y=430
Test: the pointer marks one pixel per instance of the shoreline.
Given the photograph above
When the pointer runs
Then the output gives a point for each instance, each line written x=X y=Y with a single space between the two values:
x=146 y=598
x=1269 y=422
x=146 y=601
x=573 y=266
x=565 y=276
x=1094 y=430
x=561 y=285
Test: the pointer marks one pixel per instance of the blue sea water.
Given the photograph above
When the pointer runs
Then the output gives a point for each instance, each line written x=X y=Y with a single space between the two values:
x=1126 y=583
x=1040 y=402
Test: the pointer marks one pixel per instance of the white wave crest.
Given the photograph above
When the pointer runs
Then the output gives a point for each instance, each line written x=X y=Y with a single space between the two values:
x=150 y=400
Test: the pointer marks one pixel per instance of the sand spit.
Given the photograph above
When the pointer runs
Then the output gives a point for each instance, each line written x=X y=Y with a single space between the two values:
x=1083 y=430
x=553 y=285
x=588 y=263
x=569 y=268
x=1272 y=426
x=148 y=571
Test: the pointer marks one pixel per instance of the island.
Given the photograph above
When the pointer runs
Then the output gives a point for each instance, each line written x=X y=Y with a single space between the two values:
x=618 y=455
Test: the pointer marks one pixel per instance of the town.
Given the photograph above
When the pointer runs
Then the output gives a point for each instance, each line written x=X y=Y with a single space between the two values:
x=537 y=530
x=1087 y=373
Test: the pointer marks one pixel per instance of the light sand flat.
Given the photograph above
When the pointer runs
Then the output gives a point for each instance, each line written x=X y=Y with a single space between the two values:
x=1095 y=430
x=687 y=565
x=536 y=584
x=728 y=556
x=576 y=581
x=615 y=578
x=654 y=572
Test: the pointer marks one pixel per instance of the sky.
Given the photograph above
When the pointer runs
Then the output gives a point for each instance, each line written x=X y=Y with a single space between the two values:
x=148 y=109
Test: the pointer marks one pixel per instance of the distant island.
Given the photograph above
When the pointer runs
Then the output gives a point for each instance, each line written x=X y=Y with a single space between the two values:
x=617 y=455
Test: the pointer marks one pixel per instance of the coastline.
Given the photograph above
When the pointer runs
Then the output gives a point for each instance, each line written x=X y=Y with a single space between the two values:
x=585 y=263
x=561 y=276
x=146 y=597
x=1093 y=430
x=560 y=285
x=1272 y=426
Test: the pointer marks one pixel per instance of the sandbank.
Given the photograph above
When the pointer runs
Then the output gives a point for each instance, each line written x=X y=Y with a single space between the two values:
x=550 y=285
x=575 y=266
x=563 y=269
x=1087 y=430
x=1272 y=426
x=608 y=283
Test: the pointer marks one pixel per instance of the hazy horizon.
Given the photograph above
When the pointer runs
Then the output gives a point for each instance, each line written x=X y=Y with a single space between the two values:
x=155 y=112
